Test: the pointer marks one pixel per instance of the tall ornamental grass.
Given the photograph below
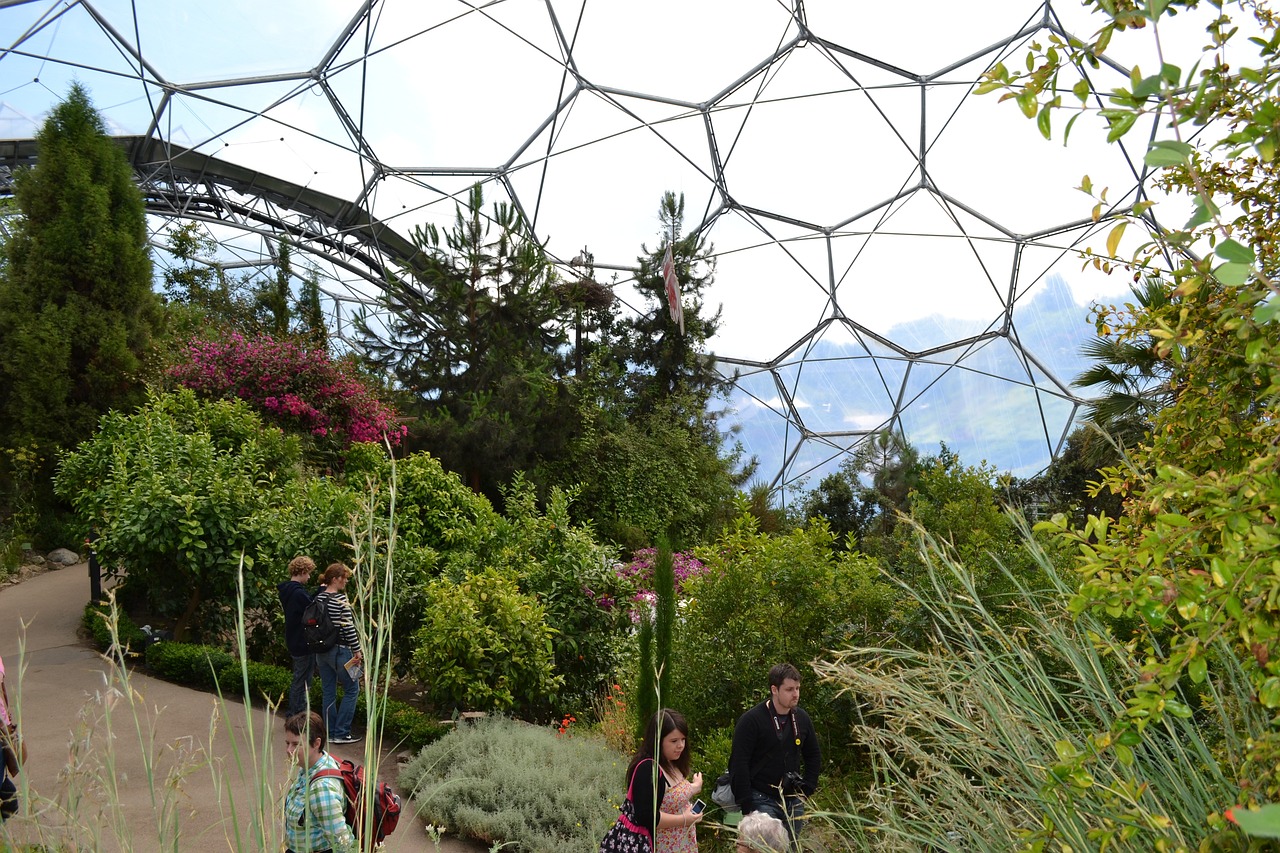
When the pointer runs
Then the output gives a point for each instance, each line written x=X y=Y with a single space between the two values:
x=964 y=736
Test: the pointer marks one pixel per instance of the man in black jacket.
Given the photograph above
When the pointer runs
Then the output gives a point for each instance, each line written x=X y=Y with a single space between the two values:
x=294 y=598
x=770 y=743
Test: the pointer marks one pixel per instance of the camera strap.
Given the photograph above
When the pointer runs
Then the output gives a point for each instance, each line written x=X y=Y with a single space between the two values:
x=790 y=754
x=777 y=727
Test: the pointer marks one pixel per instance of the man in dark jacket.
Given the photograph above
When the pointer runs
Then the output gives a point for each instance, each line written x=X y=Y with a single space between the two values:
x=294 y=598
x=770 y=743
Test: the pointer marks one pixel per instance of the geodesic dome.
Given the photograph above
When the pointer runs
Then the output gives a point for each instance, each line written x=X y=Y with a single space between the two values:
x=893 y=252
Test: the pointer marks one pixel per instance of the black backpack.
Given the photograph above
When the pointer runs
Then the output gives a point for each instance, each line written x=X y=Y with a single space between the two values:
x=318 y=631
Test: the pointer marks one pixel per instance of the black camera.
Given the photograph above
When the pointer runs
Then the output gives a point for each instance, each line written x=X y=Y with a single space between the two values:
x=792 y=783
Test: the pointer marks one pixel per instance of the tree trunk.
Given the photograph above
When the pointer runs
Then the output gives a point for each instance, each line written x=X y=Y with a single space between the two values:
x=180 y=626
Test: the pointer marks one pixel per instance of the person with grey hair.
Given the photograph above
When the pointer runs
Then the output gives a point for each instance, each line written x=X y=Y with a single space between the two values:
x=761 y=833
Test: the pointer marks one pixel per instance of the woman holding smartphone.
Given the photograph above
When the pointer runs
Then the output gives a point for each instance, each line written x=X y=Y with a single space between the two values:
x=674 y=835
x=664 y=783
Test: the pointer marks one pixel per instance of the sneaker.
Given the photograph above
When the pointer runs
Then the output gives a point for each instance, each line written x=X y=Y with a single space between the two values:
x=346 y=739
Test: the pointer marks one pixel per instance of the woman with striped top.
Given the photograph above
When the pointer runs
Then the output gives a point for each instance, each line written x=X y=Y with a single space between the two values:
x=333 y=663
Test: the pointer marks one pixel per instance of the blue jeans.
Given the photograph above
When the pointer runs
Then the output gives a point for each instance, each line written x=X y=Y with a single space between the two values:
x=304 y=668
x=333 y=671
x=790 y=814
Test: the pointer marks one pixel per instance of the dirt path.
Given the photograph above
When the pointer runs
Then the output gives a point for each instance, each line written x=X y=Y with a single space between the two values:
x=91 y=751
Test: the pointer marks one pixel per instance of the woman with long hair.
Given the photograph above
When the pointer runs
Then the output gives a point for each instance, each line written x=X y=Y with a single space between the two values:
x=681 y=788
x=644 y=815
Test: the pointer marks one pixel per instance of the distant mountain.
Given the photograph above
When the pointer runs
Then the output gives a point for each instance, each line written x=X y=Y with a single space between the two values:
x=986 y=401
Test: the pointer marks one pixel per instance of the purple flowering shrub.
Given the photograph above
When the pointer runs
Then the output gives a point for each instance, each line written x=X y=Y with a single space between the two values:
x=298 y=389
x=639 y=575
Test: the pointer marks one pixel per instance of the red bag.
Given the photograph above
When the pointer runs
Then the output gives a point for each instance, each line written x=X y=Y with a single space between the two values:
x=386 y=805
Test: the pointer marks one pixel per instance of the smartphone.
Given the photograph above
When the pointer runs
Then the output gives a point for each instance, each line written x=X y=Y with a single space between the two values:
x=699 y=806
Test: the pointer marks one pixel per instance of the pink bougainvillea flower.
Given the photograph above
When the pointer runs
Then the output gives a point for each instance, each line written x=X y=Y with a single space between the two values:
x=296 y=388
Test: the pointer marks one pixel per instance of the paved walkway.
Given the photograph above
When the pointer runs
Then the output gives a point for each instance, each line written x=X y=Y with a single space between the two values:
x=218 y=766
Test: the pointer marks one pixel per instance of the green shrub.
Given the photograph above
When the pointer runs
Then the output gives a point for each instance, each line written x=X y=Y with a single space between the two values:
x=189 y=663
x=484 y=644
x=503 y=781
x=434 y=508
x=766 y=599
x=440 y=525
x=711 y=754
x=310 y=516
x=571 y=573
x=407 y=727
x=172 y=491
x=266 y=682
x=95 y=622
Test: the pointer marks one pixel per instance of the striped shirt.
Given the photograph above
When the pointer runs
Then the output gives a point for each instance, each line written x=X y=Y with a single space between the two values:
x=341 y=616
x=324 y=826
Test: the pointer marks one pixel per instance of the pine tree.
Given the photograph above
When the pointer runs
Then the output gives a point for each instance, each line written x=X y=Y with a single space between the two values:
x=77 y=312
x=479 y=338
x=668 y=365
x=648 y=458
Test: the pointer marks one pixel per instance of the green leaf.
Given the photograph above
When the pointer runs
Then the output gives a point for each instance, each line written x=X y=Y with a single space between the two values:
x=1168 y=152
x=1233 y=275
x=1027 y=103
x=1173 y=519
x=1042 y=122
x=1269 y=692
x=1262 y=822
x=1066 y=133
x=1204 y=212
x=1230 y=250
x=1147 y=87
x=1198 y=669
x=1120 y=125
x=1267 y=311
x=1081 y=90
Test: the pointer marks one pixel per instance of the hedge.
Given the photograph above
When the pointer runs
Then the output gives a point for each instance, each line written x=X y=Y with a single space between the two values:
x=95 y=622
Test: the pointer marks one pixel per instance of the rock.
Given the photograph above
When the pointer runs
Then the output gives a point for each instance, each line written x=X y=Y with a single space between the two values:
x=63 y=557
x=31 y=558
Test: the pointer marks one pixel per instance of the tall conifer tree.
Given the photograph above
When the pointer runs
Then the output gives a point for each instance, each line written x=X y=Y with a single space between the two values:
x=77 y=311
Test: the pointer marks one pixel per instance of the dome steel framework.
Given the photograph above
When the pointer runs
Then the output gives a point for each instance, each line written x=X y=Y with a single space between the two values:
x=892 y=251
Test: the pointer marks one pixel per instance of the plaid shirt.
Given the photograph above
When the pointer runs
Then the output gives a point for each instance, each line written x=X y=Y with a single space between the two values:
x=325 y=825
